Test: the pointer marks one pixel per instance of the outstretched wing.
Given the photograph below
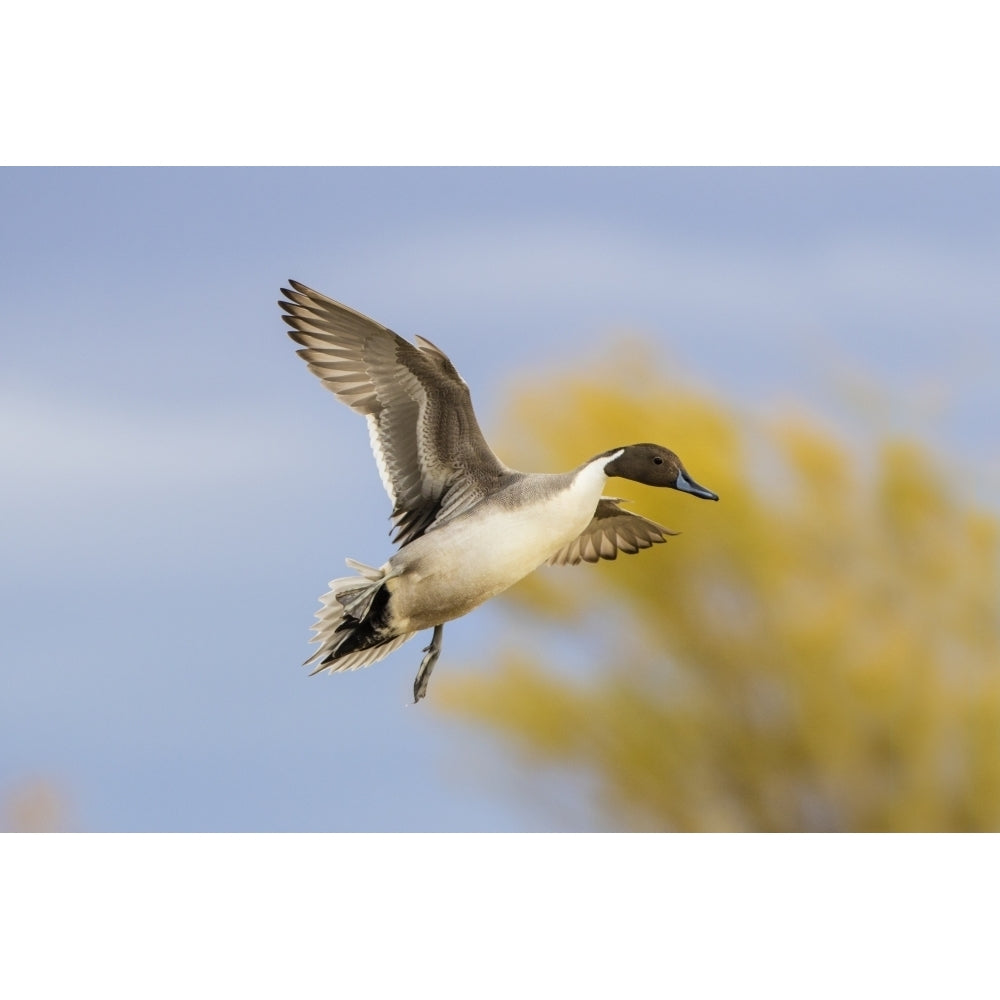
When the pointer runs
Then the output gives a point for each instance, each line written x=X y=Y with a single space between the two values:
x=431 y=454
x=611 y=531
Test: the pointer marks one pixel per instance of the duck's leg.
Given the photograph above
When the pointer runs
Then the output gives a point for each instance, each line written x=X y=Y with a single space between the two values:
x=433 y=651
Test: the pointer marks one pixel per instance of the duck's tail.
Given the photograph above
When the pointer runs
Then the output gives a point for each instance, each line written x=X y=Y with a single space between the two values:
x=352 y=626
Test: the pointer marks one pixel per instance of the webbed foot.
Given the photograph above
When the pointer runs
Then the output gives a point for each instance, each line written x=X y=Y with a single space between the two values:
x=432 y=652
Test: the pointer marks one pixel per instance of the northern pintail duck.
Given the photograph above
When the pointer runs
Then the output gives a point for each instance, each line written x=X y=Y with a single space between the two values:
x=467 y=526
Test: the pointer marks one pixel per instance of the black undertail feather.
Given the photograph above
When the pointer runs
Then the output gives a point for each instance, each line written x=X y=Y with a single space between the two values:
x=371 y=631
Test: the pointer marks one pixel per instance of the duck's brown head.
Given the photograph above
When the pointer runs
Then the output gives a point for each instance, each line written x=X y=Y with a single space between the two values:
x=654 y=465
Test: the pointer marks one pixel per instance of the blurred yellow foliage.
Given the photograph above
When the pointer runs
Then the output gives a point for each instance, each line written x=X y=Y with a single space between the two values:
x=34 y=805
x=818 y=651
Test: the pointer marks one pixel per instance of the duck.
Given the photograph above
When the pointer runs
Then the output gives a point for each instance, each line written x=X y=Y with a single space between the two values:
x=466 y=526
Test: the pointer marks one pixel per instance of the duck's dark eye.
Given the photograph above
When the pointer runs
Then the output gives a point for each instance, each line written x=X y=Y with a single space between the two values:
x=657 y=460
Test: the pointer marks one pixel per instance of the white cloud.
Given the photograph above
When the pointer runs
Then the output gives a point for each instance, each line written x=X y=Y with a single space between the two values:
x=91 y=488
x=529 y=262
x=47 y=443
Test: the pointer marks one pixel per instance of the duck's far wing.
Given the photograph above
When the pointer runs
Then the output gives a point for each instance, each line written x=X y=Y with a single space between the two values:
x=430 y=452
x=611 y=531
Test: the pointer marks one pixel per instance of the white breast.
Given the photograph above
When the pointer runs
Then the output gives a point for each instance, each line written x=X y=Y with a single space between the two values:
x=448 y=572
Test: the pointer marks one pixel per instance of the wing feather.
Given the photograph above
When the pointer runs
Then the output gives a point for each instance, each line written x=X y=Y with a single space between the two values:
x=611 y=531
x=431 y=454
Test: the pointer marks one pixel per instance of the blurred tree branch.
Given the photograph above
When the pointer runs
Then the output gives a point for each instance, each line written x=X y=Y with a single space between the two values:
x=819 y=651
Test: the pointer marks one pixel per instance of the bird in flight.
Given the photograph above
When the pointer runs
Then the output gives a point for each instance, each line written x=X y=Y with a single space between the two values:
x=467 y=527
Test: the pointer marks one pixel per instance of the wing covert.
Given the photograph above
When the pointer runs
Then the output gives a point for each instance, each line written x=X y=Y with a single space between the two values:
x=611 y=531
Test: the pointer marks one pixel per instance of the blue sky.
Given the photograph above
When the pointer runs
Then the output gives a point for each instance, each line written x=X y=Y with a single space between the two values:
x=179 y=489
